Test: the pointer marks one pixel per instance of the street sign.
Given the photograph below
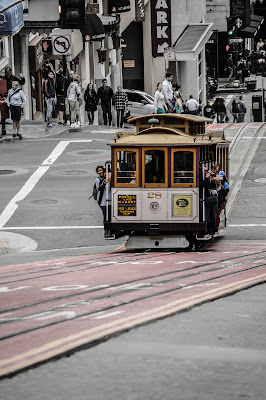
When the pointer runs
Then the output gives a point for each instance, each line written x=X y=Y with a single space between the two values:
x=169 y=53
x=61 y=44
x=235 y=40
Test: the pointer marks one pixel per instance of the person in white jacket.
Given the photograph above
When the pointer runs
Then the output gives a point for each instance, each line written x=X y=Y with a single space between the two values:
x=159 y=103
x=16 y=101
x=73 y=95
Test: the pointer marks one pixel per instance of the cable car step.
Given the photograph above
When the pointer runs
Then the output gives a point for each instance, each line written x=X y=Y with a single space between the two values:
x=157 y=242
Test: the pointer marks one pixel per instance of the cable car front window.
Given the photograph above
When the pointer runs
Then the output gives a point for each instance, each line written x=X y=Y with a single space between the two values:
x=154 y=166
x=126 y=167
x=183 y=167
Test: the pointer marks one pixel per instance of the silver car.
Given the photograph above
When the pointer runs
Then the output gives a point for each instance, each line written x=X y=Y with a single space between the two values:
x=139 y=103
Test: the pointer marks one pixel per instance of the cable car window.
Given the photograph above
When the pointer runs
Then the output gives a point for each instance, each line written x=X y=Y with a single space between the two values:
x=183 y=168
x=126 y=165
x=155 y=166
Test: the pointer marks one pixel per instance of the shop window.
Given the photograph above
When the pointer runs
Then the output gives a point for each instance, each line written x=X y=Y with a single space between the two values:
x=155 y=167
x=183 y=168
x=126 y=167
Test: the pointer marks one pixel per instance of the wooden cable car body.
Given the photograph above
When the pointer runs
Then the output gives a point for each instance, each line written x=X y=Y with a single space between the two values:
x=156 y=193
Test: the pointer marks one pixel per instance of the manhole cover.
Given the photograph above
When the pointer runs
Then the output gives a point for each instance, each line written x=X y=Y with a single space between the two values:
x=44 y=202
x=260 y=180
x=75 y=217
x=7 y=171
x=74 y=172
x=88 y=152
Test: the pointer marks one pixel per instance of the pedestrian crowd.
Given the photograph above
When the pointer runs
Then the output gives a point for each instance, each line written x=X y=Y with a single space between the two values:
x=65 y=94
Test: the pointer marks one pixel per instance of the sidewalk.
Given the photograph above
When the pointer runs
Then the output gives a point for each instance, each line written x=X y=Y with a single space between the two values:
x=232 y=94
x=33 y=130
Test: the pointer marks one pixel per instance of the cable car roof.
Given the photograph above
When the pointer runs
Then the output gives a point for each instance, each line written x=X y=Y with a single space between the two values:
x=160 y=135
x=188 y=117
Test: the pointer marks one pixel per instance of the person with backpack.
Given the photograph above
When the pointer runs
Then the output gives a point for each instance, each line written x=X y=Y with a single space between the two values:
x=241 y=109
x=73 y=95
x=16 y=101
x=50 y=97
x=223 y=190
x=234 y=111
x=98 y=188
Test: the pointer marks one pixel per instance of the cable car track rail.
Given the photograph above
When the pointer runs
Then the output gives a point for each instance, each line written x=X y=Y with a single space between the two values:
x=224 y=265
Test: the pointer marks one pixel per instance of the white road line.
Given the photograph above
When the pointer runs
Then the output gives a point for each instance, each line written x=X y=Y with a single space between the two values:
x=22 y=228
x=32 y=181
x=246 y=225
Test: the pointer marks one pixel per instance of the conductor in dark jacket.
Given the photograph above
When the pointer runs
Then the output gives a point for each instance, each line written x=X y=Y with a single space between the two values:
x=9 y=78
x=105 y=96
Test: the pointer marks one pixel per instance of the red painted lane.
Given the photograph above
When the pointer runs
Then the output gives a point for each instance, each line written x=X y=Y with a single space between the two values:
x=26 y=349
x=71 y=308
x=115 y=272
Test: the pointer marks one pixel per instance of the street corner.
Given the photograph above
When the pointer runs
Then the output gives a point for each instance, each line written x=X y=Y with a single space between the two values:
x=13 y=242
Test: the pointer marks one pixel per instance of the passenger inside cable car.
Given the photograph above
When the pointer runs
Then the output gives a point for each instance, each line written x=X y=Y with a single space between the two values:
x=154 y=166
x=126 y=167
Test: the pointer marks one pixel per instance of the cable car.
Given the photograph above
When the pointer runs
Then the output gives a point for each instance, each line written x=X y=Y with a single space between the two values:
x=157 y=170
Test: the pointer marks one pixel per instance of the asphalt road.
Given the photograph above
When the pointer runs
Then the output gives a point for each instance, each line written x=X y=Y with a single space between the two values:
x=215 y=351
x=56 y=212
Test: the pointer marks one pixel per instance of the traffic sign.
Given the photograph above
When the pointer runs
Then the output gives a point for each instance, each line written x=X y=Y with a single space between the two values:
x=235 y=40
x=61 y=44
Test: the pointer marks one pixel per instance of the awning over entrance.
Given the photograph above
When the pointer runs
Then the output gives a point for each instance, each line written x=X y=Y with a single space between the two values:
x=94 y=27
x=11 y=20
x=110 y=23
x=251 y=30
x=118 y=6
x=192 y=41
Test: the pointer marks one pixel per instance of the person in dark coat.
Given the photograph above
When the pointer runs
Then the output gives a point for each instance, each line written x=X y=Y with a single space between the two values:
x=9 y=78
x=90 y=99
x=60 y=94
x=49 y=96
x=105 y=96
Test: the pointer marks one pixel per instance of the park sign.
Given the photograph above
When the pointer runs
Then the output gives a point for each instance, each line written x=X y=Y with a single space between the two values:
x=160 y=26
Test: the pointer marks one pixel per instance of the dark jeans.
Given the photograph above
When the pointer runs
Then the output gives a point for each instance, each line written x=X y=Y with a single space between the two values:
x=4 y=115
x=120 y=118
x=104 y=213
x=91 y=117
x=107 y=110
x=211 y=211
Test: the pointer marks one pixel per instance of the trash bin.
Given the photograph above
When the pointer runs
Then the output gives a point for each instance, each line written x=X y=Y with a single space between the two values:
x=251 y=84
x=257 y=108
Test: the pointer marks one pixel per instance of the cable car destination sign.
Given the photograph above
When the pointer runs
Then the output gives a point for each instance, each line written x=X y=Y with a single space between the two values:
x=160 y=26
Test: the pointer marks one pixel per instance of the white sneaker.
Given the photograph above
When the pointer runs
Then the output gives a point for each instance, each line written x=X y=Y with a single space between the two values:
x=73 y=125
x=68 y=123
x=78 y=123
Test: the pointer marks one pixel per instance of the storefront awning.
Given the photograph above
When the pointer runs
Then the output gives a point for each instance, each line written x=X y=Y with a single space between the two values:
x=110 y=23
x=11 y=17
x=251 y=30
x=118 y=6
x=192 y=41
x=94 y=27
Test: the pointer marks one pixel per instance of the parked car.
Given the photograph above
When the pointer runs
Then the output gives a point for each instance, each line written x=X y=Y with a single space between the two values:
x=139 y=103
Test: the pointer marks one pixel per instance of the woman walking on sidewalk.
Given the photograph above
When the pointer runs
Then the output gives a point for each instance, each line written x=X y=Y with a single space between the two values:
x=90 y=103
x=16 y=101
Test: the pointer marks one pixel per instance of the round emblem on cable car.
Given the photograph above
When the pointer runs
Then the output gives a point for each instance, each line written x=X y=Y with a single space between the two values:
x=182 y=203
x=155 y=207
